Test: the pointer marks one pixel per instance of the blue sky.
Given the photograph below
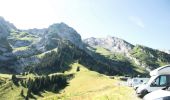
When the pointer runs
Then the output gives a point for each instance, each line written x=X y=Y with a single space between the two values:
x=145 y=22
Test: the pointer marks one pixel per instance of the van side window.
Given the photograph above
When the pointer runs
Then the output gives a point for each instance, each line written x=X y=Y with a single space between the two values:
x=160 y=81
x=163 y=80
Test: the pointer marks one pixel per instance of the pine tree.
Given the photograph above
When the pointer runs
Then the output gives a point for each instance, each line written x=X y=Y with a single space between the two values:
x=15 y=80
x=78 y=69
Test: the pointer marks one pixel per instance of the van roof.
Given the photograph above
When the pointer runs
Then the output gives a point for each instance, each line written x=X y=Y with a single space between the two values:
x=161 y=70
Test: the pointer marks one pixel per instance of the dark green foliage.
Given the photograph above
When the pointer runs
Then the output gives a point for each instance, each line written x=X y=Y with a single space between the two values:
x=29 y=95
x=107 y=66
x=5 y=44
x=52 y=83
x=58 y=61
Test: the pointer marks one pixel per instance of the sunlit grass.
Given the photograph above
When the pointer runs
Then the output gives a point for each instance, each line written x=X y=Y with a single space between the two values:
x=5 y=75
x=86 y=85
x=21 y=48
x=90 y=85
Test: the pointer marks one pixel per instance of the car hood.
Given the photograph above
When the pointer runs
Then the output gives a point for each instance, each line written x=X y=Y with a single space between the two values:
x=157 y=94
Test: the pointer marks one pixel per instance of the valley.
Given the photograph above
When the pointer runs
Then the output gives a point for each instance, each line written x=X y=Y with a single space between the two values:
x=54 y=63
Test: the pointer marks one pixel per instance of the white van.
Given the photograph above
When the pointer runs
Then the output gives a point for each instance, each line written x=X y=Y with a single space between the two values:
x=136 y=81
x=160 y=78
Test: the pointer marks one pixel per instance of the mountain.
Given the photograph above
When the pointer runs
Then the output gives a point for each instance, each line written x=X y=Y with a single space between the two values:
x=53 y=49
x=142 y=56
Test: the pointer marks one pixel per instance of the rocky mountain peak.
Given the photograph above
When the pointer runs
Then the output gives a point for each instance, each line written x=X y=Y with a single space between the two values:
x=111 y=43
x=65 y=32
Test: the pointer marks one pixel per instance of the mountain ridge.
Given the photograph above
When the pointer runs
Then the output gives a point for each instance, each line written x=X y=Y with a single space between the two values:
x=34 y=49
x=131 y=51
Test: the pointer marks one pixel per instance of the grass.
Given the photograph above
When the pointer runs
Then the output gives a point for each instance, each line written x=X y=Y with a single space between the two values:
x=21 y=48
x=9 y=91
x=90 y=85
x=86 y=85
x=5 y=76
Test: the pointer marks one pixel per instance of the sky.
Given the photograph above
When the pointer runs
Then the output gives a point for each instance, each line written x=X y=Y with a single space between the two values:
x=145 y=22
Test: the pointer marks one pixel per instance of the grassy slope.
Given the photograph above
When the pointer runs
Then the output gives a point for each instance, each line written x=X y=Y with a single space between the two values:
x=87 y=85
x=150 y=57
x=90 y=85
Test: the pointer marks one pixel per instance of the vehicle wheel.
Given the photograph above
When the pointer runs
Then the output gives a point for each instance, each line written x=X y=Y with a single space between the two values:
x=143 y=93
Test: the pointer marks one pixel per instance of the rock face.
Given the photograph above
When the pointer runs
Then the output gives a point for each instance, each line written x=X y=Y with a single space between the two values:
x=111 y=43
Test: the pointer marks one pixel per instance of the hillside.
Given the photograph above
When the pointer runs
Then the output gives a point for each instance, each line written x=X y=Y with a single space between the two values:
x=149 y=57
x=80 y=87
